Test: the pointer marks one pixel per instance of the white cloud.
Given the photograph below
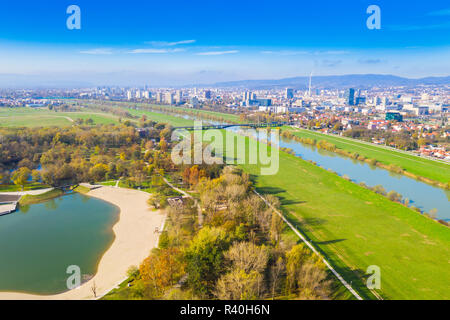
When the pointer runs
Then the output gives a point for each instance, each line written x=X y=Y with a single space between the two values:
x=152 y=51
x=170 y=44
x=98 y=51
x=444 y=12
x=216 y=53
x=301 y=52
x=285 y=52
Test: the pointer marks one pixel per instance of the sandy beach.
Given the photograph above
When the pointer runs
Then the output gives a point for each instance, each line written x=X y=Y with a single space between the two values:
x=134 y=238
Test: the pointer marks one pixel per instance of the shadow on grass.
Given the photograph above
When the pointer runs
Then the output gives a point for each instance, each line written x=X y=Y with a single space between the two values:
x=311 y=222
x=330 y=241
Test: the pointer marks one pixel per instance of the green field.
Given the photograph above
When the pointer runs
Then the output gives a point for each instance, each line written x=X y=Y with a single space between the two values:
x=195 y=112
x=355 y=228
x=434 y=170
x=39 y=117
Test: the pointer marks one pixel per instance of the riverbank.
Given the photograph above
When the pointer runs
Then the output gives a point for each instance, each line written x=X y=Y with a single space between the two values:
x=134 y=239
x=432 y=172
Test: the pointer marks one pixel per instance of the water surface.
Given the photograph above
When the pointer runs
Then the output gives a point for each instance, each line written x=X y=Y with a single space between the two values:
x=39 y=242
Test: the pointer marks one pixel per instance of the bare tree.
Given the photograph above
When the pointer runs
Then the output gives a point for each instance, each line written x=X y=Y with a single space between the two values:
x=94 y=289
x=248 y=256
x=275 y=273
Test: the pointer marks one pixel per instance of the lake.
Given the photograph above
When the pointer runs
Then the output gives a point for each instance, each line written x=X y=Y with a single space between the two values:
x=39 y=242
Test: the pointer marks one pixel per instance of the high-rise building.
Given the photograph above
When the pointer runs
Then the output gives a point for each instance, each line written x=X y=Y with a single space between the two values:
x=168 y=98
x=129 y=94
x=146 y=94
x=179 y=96
x=247 y=96
x=350 y=97
x=289 y=93
x=159 y=97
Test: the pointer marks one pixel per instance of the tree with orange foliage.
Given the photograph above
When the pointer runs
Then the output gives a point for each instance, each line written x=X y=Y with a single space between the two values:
x=193 y=176
x=163 y=269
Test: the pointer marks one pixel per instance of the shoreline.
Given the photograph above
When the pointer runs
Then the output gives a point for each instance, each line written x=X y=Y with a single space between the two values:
x=134 y=239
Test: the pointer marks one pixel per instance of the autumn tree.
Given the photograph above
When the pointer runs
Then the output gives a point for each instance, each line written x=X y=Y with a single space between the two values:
x=276 y=228
x=205 y=257
x=239 y=285
x=247 y=256
x=20 y=177
x=162 y=269
x=306 y=274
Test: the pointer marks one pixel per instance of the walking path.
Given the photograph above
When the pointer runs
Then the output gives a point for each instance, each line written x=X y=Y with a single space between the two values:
x=31 y=193
x=199 y=209
x=11 y=206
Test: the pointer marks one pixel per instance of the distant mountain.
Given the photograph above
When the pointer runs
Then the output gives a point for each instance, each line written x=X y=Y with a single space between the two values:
x=335 y=82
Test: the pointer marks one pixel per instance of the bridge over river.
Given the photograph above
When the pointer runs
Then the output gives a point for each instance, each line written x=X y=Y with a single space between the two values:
x=224 y=126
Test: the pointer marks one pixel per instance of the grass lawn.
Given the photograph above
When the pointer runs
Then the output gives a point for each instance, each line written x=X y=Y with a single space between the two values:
x=30 y=199
x=419 y=166
x=82 y=189
x=39 y=117
x=110 y=183
x=355 y=228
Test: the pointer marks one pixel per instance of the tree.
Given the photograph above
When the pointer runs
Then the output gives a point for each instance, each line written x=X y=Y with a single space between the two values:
x=20 y=177
x=294 y=260
x=239 y=285
x=276 y=228
x=163 y=145
x=204 y=257
x=306 y=274
x=247 y=256
x=275 y=274
x=162 y=269
x=99 y=171
x=35 y=176
x=394 y=196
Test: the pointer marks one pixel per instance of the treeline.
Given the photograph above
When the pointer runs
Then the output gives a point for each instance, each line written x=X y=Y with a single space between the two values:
x=194 y=113
x=67 y=156
x=239 y=252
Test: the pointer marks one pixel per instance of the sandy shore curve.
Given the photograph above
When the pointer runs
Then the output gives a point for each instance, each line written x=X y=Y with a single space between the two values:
x=135 y=237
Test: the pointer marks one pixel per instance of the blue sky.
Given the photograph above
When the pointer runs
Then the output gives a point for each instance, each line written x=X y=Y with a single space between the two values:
x=197 y=41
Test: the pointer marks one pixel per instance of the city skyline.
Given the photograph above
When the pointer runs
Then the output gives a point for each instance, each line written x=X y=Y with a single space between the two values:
x=178 y=44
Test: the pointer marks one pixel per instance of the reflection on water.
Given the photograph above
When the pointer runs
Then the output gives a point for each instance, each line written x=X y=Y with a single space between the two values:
x=39 y=242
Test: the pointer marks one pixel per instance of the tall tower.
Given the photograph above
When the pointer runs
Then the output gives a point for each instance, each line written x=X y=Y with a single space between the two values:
x=310 y=81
